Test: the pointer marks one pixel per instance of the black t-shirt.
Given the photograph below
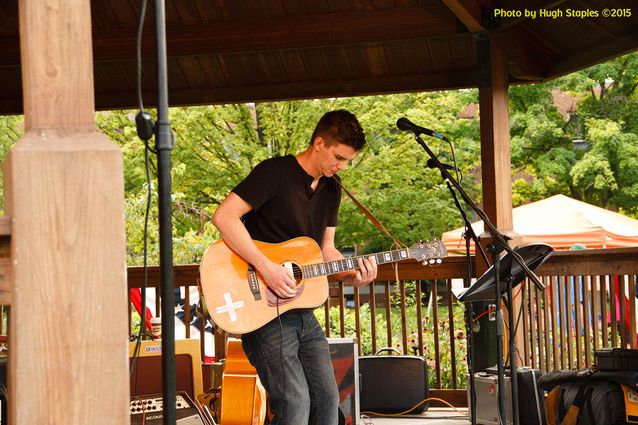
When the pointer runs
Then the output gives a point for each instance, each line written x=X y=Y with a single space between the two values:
x=284 y=205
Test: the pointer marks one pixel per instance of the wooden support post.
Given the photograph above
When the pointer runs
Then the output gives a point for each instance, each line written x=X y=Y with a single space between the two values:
x=68 y=335
x=495 y=150
x=495 y=141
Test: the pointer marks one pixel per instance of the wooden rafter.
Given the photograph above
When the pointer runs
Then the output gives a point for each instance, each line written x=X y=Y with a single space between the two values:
x=468 y=12
x=594 y=54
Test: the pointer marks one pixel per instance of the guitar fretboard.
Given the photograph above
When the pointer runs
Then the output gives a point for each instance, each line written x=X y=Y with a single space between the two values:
x=337 y=266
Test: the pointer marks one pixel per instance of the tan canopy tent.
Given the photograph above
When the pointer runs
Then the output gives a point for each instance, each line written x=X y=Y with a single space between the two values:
x=562 y=222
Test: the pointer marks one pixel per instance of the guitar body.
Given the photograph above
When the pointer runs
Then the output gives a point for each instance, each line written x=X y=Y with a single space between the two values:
x=238 y=300
x=243 y=396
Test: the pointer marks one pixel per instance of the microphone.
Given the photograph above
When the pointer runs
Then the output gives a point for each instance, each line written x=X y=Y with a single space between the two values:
x=405 y=124
x=432 y=164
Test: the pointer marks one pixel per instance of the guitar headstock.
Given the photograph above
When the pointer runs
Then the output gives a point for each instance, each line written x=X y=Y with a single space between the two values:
x=429 y=253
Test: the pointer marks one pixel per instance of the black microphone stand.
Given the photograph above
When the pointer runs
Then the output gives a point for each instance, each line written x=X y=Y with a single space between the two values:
x=164 y=145
x=468 y=235
x=499 y=244
x=495 y=252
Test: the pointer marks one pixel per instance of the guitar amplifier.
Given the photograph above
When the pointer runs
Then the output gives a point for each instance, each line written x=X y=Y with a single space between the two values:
x=148 y=410
x=393 y=383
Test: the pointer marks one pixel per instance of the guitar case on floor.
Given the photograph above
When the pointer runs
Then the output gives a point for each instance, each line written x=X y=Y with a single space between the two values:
x=393 y=383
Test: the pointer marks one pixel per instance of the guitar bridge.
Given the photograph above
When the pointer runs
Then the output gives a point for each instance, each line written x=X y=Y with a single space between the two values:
x=253 y=283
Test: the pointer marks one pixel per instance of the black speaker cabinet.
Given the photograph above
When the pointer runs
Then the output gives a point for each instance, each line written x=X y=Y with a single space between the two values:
x=393 y=384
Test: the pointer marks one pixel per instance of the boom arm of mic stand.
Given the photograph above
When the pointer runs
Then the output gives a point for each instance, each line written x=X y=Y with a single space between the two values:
x=469 y=232
x=498 y=238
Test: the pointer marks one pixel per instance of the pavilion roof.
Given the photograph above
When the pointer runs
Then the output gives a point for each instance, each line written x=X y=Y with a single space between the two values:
x=238 y=50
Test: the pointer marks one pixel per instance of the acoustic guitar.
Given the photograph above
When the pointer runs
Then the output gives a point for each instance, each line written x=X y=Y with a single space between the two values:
x=243 y=395
x=239 y=302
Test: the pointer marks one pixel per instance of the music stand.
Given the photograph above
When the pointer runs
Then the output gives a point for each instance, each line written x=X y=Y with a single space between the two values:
x=511 y=272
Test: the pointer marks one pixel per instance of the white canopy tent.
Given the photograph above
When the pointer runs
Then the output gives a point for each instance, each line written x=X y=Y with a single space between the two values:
x=561 y=222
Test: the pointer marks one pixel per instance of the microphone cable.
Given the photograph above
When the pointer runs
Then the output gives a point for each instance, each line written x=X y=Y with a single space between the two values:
x=144 y=126
x=459 y=175
x=281 y=359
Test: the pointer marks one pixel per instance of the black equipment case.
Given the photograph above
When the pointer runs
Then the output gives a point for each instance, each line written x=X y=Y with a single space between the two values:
x=393 y=383
x=613 y=358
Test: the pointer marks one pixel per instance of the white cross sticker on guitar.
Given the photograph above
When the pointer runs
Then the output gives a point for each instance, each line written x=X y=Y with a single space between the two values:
x=230 y=307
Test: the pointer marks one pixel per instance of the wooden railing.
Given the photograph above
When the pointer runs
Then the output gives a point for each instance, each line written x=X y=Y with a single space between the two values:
x=588 y=303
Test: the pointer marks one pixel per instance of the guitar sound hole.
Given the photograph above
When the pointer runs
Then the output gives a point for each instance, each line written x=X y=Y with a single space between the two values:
x=297 y=273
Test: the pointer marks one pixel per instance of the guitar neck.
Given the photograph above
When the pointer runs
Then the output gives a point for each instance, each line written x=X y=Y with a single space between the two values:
x=337 y=266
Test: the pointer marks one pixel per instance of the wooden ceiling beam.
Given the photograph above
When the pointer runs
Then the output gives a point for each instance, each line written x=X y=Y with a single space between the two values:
x=301 y=90
x=309 y=31
x=305 y=90
x=529 y=60
x=598 y=53
x=468 y=12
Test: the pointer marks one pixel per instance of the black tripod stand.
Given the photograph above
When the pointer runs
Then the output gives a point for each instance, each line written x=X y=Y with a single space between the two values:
x=469 y=235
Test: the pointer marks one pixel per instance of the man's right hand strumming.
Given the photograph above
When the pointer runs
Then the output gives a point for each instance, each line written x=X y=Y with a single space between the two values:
x=279 y=279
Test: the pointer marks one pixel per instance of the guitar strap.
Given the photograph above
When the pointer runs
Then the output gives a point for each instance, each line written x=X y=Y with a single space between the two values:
x=370 y=216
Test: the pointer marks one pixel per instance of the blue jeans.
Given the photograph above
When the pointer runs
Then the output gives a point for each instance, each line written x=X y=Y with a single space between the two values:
x=297 y=374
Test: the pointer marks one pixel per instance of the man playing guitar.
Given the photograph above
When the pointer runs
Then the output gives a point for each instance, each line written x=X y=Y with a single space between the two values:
x=284 y=198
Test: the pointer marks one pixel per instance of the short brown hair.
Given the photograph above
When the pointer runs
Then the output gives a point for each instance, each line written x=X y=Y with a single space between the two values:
x=342 y=126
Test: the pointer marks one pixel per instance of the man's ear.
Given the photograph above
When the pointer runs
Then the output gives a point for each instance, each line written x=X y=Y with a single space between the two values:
x=318 y=143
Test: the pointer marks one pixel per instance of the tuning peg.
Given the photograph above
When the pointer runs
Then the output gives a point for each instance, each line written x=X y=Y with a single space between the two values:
x=432 y=262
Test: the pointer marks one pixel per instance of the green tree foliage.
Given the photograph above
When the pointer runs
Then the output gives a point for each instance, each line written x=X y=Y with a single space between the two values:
x=607 y=175
x=611 y=88
x=216 y=146
x=545 y=158
x=11 y=130
x=392 y=178
x=541 y=147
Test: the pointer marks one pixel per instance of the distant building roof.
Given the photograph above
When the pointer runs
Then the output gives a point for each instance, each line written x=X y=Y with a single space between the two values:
x=470 y=111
